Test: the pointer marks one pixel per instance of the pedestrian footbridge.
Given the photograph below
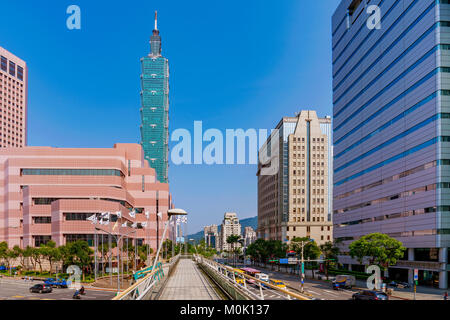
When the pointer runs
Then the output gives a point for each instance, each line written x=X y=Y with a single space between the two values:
x=196 y=278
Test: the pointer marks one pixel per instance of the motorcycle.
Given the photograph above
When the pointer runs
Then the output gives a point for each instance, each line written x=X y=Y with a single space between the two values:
x=82 y=292
x=76 y=295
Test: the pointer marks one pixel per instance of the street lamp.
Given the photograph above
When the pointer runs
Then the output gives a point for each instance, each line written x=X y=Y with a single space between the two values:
x=170 y=213
x=118 y=239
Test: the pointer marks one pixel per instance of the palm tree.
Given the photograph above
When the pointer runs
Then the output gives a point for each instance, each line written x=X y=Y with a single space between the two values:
x=233 y=239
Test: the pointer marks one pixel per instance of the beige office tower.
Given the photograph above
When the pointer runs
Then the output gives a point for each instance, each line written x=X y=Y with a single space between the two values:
x=296 y=200
x=230 y=226
x=13 y=100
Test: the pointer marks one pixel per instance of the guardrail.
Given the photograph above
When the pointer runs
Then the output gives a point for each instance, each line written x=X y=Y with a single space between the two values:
x=230 y=276
x=141 y=289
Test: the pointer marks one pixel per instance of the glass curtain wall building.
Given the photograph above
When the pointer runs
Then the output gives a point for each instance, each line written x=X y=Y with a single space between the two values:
x=391 y=95
x=155 y=108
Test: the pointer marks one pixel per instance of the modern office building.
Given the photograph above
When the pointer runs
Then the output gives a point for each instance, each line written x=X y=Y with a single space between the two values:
x=391 y=94
x=249 y=236
x=155 y=107
x=296 y=201
x=230 y=226
x=13 y=100
x=48 y=194
x=211 y=235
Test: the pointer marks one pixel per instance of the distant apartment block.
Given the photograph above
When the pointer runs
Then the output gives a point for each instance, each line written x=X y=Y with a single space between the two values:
x=13 y=100
x=391 y=96
x=249 y=236
x=48 y=194
x=211 y=235
x=296 y=202
x=230 y=226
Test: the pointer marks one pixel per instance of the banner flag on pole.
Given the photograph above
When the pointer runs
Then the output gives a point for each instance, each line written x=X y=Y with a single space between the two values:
x=93 y=219
x=160 y=215
x=147 y=215
x=125 y=225
x=134 y=225
x=133 y=214
x=144 y=224
x=119 y=214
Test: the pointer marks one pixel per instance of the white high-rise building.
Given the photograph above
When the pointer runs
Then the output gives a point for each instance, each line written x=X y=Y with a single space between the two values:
x=230 y=226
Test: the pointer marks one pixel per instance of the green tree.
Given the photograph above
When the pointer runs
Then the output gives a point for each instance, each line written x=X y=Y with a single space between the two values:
x=28 y=253
x=20 y=253
x=36 y=255
x=233 y=239
x=379 y=248
x=50 y=253
x=330 y=252
x=258 y=251
x=80 y=254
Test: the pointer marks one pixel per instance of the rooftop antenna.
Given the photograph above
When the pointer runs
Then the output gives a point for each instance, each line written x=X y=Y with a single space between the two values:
x=156 y=20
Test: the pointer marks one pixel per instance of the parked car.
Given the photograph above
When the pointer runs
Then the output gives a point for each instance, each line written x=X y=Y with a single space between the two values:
x=401 y=285
x=41 y=288
x=370 y=295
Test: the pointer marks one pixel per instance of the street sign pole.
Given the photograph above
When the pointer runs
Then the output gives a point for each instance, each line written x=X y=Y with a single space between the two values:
x=416 y=280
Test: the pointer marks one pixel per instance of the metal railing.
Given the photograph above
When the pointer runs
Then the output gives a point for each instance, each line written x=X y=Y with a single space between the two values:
x=142 y=288
x=232 y=277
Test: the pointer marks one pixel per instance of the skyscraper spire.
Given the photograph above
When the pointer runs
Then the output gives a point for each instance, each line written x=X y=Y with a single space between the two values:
x=155 y=41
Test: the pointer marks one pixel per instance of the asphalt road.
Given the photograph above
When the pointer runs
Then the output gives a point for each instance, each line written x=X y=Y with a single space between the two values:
x=19 y=290
x=315 y=289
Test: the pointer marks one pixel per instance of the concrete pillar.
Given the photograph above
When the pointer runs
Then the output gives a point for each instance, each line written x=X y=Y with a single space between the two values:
x=443 y=275
x=411 y=271
x=349 y=267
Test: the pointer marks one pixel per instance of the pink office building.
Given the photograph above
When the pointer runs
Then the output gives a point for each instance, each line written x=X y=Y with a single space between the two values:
x=48 y=193
x=13 y=100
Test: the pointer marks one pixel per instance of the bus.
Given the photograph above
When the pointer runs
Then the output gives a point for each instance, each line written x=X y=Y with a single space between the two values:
x=251 y=272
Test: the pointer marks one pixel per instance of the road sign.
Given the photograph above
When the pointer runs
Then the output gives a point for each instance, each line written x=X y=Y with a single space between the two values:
x=416 y=274
x=284 y=261
x=292 y=260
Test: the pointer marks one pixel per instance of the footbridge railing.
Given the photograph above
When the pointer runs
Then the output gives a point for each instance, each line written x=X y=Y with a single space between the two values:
x=147 y=280
x=250 y=286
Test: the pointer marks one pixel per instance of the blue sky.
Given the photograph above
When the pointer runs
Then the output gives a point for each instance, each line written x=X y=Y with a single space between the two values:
x=234 y=64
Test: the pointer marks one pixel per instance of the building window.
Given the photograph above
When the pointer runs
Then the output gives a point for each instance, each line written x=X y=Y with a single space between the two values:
x=77 y=216
x=42 y=220
x=41 y=240
x=12 y=68
x=4 y=64
x=89 y=238
x=72 y=172
x=19 y=73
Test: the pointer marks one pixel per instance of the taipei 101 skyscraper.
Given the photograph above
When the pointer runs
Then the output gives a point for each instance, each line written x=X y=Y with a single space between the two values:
x=155 y=107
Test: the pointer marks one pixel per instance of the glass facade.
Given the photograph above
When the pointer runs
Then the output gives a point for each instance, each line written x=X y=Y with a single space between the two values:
x=155 y=109
x=391 y=124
